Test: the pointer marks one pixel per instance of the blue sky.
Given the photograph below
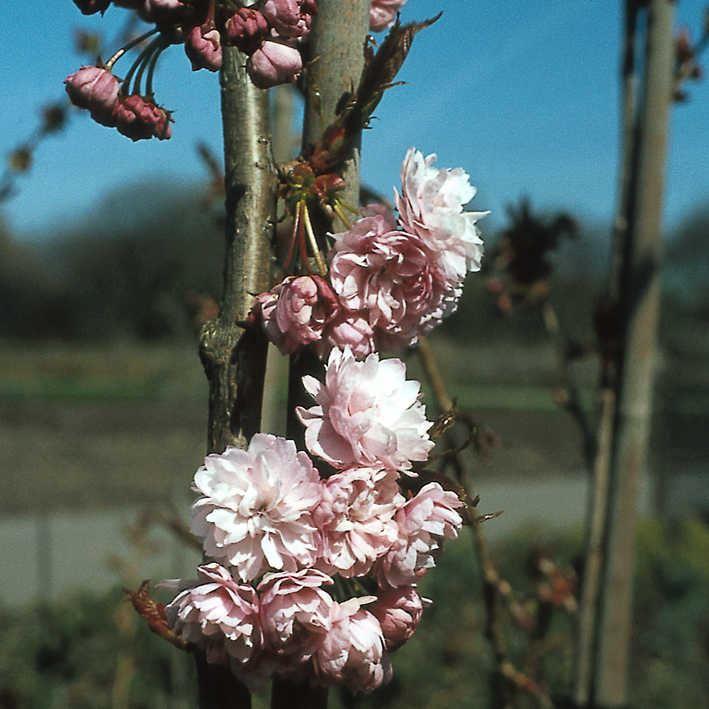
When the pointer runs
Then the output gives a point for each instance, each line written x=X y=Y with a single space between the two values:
x=522 y=93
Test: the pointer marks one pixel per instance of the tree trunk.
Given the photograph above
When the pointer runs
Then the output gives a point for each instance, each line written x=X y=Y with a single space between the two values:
x=639 y=310
x=234 y=358
x=337 y=44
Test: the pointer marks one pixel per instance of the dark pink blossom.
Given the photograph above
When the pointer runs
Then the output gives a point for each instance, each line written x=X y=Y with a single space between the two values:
x=246 y=29
x=140 y=118
x=96 y=89
x=203 y=46
x=290 y=18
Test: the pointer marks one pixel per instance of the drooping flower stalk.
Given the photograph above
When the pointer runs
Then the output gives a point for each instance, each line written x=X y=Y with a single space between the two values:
x=127 y=47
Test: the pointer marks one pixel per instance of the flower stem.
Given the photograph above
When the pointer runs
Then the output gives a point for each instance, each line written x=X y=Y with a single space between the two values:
x=146 y=58
x=125 y=86
x=340 y=212
x=152 y=66
x=127 y=47
x=322 y=266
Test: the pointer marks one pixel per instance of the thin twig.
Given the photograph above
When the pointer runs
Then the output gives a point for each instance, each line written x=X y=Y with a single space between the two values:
x=505 y=677
x=571 y=399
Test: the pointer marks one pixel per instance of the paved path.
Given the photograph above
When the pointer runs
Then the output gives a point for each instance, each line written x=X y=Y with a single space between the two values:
x=50 y=557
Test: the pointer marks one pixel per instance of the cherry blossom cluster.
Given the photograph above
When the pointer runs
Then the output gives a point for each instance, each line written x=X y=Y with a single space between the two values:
x=390 y=279
x=315 y=576
x=272 y=33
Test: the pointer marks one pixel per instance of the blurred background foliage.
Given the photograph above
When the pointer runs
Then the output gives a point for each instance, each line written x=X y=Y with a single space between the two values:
x=133 y=273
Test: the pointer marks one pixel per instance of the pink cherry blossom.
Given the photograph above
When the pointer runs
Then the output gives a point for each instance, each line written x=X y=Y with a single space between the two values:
x=382 y=13
x=295 y=614
x=246 y=28
x=218 y=615
x=95 y=89
x=274 y=62
x=399 y=612
x=366 y=414
x=296 y=311
x=390 y=277
x=255 y=512
x=352 y=652
x=203 y=46
x=431 y=206
x=290 y=18
x=141 y=118
x=424 y=522
x=347 y=330
x=356 y=519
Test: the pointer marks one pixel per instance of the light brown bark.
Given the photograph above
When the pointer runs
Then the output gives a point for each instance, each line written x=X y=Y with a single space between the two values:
x=234 y=358
x=639 y=301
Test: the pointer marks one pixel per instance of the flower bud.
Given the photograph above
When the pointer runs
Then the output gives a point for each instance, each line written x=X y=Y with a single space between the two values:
x=139 y=119
x=398 y=611
x=274 y=63
x=203 y=46
x=91 y=7
x=95 y=89
x=290 y=18
x=246 y=29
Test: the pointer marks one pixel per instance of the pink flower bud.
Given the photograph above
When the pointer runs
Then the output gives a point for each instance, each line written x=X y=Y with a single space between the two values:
x=139 y=118
x=95 y=89
x=246 y=29
x=296 y=311
x=90 y=7
x=290 y=18
x=398 y=611
x=274 y=63
x=203 y=46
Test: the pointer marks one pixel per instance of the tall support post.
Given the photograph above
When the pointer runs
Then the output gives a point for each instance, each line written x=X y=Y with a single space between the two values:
x=639 y=307
x=587 y=618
